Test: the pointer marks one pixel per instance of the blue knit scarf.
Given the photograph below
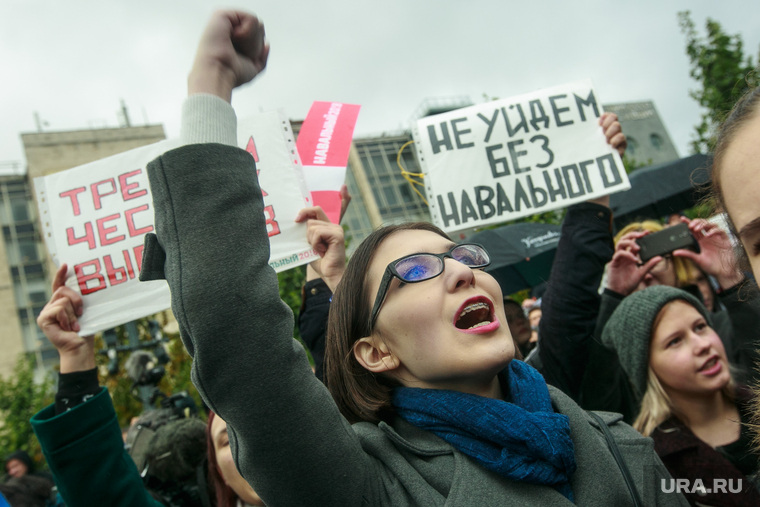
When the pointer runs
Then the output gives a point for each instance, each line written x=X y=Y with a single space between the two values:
x=522 y=439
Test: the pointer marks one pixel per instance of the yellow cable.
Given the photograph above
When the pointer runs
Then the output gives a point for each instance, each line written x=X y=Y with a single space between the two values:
x=408 y=176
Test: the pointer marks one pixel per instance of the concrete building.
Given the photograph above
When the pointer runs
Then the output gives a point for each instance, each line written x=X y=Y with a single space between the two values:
x=25 y=268
x=648 y=140
x=380 y=193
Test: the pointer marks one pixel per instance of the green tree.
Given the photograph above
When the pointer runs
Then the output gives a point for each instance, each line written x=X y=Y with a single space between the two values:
x=630 y=163
x=723 y=73
x=20 y=398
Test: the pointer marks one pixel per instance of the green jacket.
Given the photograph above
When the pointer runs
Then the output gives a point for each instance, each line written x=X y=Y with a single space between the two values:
x=85 y=451
x=287 y=436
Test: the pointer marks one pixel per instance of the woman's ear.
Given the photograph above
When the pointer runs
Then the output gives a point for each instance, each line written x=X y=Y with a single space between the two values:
x=374 y=355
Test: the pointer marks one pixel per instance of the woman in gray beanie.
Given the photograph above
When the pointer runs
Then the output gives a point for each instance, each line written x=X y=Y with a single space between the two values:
x=690 y=405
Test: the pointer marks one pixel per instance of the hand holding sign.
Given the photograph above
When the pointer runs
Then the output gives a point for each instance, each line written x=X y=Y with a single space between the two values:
x=613 y=132
x=231 y=52
x=326 y=238
x=59 y=321
x=95 y=216
x=516 y=157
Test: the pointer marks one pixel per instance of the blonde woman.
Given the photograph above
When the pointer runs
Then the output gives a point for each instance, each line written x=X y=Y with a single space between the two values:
x=690 y=406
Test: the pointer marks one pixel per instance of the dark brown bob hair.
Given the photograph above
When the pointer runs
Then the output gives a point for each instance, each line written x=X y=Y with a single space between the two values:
x=361 y=395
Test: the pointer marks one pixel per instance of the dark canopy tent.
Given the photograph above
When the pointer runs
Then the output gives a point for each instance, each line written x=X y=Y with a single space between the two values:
x=660 y=190
x=521 y=254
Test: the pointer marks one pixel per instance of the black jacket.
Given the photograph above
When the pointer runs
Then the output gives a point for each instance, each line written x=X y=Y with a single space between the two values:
x=312 y=320
x=571 y=301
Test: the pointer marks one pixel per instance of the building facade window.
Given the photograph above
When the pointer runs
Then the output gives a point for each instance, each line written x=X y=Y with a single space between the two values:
x=20 y=211
x=396 y=201
x=25 y=259
x=633 y=145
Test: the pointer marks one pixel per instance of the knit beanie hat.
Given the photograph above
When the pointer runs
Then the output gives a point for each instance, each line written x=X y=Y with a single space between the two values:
x=629 y=329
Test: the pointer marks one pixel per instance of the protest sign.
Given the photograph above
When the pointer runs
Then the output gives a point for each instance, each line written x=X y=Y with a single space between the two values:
x=324 y=141
x=269 y=140
x=510 y=158
x=94 y=218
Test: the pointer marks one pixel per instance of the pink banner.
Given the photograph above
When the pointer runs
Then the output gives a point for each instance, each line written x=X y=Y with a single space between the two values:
x=323 y=145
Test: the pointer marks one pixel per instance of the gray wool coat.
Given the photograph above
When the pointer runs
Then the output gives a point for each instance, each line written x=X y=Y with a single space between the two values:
x=286 y=433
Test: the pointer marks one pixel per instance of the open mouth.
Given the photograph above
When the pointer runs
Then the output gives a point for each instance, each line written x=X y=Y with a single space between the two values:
x=475 y=314
x=709 y=364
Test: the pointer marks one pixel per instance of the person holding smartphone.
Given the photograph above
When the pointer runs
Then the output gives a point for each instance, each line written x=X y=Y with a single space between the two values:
x=627 y=273
x=605 y=386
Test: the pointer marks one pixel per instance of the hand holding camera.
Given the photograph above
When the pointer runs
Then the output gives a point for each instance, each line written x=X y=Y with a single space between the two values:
x=666 y=241
x=715 y=254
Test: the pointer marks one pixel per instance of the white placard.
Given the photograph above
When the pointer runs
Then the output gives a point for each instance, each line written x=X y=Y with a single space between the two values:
x=505 y=159
x=94 y=218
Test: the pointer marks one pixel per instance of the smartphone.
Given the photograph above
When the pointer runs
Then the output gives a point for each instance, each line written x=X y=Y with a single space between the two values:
x=665 y=241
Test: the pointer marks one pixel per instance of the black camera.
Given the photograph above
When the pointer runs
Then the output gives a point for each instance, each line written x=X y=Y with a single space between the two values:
x=665 y=241
x=168 y=446
x=152 y=376
x=144 y=368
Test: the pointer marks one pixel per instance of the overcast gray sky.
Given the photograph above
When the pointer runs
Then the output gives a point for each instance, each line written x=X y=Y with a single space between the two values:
x=73 y=61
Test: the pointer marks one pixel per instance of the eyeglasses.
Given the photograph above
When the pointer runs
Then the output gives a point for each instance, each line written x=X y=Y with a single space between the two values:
x=425 y=266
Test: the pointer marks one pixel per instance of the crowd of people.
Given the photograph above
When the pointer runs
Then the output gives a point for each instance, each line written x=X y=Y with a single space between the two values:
x=623 y=383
